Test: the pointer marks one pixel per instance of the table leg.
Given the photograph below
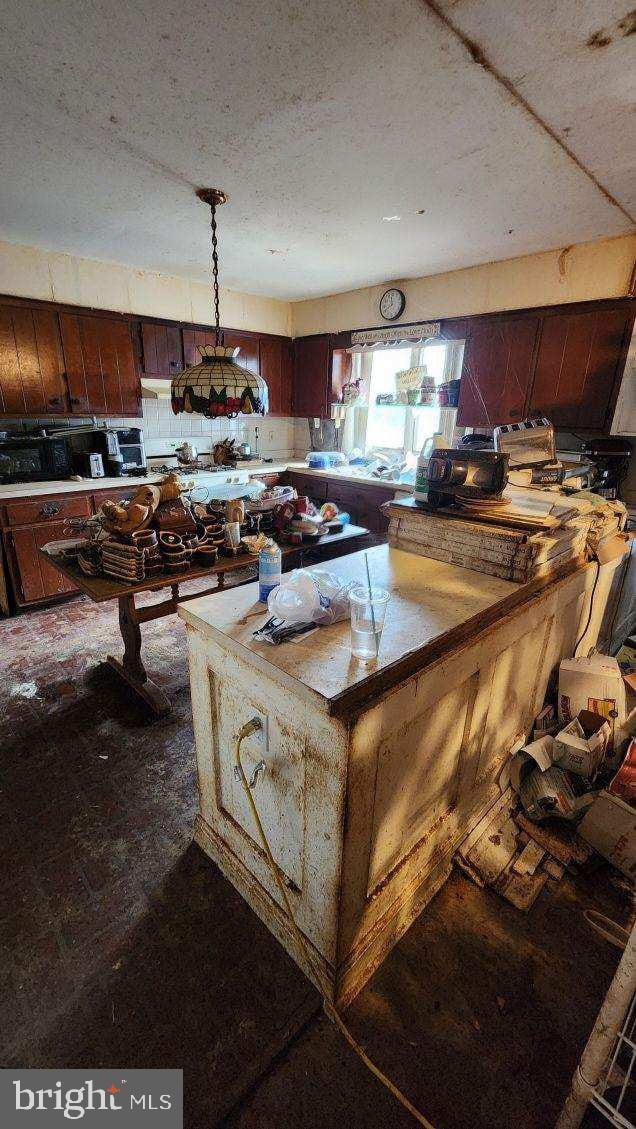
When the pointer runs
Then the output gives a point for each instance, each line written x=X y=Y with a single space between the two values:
x=131 y=667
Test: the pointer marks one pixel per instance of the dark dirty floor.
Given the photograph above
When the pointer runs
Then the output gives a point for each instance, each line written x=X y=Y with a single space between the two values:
x=122 y=945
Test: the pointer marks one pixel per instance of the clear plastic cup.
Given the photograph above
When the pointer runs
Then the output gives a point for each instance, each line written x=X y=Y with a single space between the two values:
x=368 y=611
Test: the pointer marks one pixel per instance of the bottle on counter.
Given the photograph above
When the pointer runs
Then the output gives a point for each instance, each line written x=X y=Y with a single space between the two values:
x=433 y=443
x=270 y=570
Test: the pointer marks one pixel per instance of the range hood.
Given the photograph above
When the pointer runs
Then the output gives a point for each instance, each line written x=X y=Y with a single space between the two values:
x=155 y=389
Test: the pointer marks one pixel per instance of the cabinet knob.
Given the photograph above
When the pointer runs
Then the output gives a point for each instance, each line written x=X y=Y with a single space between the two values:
x=50 y=509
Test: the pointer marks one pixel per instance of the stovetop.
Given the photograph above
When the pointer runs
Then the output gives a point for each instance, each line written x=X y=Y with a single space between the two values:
x=197 y=468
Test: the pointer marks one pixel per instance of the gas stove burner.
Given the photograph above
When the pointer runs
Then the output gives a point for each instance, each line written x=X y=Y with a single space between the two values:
x=206 y=468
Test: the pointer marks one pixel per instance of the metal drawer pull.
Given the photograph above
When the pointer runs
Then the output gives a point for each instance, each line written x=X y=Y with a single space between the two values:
x=50 y=509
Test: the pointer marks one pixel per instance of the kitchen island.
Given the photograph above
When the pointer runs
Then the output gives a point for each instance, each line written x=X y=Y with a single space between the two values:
x=373 y=774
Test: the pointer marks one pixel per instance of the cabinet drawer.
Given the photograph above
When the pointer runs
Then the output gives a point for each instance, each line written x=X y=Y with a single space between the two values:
x=119 y=494
x=57 y=508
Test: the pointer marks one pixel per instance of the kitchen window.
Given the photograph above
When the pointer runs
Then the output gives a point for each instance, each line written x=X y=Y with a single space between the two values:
x=398 y=429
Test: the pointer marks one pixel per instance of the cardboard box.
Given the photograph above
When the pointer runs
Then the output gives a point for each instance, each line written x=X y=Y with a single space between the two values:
x=594 y=684
x=610 y=827
x=581 y=745
x=543 y=787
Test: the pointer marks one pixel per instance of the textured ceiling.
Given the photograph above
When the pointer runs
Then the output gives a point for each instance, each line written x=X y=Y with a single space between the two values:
x=319 y=117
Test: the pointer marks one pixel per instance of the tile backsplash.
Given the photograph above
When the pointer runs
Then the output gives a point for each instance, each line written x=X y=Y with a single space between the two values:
x=278 y=437
x=163 y=431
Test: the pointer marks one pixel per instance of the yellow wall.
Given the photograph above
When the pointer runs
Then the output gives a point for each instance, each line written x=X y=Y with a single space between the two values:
x=586 y=271
x=33 y=273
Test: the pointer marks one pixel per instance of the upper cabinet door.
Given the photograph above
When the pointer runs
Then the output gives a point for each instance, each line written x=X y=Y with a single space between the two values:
x=31 y=364
x=248 y=356
x=193 y=341
x=100 y=366
x=578 y=363
x=497 y=371
x=275 y=368
x=311 y=392
x=161 y=350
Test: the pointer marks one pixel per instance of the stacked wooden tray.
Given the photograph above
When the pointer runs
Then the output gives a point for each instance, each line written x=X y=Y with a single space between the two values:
x=499 y=542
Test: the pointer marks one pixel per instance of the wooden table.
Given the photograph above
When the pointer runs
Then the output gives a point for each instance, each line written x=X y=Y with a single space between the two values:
x=102 y=588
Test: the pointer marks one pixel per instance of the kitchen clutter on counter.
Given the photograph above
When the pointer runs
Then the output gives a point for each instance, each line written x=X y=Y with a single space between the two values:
x=168 y=527
x=306 y=600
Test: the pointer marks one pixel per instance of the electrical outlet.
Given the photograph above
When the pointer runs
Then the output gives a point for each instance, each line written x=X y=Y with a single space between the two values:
x=260 y=736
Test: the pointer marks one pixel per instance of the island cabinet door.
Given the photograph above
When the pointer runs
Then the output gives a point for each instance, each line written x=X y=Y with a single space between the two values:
x=299 y=792
x=31 y=365
x=497 y=371
x=425 y=765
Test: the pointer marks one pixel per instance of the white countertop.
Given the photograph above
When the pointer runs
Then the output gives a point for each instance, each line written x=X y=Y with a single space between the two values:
x=432 y=605
x=69 y=486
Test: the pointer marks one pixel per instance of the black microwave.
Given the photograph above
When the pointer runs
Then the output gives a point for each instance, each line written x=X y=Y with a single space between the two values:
x=34 y=459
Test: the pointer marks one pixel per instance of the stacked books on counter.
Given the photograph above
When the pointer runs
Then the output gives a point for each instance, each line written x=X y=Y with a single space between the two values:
x=537 y=534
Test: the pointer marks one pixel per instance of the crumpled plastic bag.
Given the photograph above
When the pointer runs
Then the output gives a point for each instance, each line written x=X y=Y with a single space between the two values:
x=310 y=597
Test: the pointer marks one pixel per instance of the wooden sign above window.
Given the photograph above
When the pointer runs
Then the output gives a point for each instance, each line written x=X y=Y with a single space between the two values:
x=396 y=335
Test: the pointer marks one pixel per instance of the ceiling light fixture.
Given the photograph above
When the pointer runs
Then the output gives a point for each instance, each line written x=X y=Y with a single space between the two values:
x=390 y=219
x=218 y=385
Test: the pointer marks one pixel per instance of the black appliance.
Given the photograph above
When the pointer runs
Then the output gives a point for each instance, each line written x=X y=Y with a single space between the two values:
x=31 y=458
x=465 y=475
x=608 y=455
x=121 y=450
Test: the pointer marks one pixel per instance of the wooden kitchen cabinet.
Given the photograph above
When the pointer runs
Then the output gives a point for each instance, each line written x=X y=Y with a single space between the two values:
x=31 y=364
x=101 y=369
x=311 y=375
x=309 y=485
x=497 y=371
x=248 y=346
x=275 y=366
x=161 y=350
x=321 y=368
x=577 y=367
x=362 y=502
x=28 y=523
x=34 y=578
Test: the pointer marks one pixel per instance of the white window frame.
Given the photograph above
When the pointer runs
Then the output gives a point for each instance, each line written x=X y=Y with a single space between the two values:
x=356 y=430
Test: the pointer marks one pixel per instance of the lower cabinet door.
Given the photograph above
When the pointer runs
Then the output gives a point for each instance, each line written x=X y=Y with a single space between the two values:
x=37 y=580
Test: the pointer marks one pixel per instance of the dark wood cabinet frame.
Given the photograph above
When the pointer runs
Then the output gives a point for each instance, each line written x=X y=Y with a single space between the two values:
x=460 y=328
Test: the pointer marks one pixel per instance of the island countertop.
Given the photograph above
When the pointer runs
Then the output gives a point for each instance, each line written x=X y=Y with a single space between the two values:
x=434 y=606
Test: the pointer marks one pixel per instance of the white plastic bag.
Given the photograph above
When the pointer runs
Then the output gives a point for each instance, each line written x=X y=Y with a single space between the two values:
x=309 y=597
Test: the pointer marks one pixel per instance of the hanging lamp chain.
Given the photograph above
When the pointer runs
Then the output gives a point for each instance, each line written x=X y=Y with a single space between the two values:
x=215 y=275
x=214 y=197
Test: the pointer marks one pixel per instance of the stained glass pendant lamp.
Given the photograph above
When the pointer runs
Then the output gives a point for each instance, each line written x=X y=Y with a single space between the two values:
x=218 y=386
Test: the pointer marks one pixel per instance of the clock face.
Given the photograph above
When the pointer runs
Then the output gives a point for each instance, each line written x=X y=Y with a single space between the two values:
x=392 y=304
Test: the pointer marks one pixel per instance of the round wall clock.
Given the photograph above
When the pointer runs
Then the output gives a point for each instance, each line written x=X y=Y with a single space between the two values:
x=392 y=304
